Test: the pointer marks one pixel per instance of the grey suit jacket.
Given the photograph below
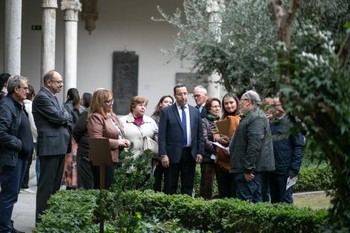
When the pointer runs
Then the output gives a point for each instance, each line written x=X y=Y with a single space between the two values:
x=170 y=137
x=53 y=123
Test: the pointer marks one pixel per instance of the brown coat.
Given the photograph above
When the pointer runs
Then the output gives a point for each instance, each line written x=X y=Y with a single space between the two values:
x=222 y=157
x=106 y=127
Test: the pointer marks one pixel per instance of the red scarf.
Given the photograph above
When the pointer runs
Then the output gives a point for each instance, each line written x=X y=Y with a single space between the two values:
x=138 y=120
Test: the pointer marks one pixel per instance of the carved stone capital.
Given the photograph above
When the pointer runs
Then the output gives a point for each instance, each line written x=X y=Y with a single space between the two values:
x=70 y=15
x=49 y=4
x=74 y=5
x=71 y=9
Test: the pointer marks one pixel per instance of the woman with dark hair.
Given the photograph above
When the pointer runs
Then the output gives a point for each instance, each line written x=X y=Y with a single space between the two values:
x=72 y=105
x=163 y=102
x=158 y=171
x=213 y=109
x=230 y=110
x=4 y=77
x=86 y=100
x=230 y=105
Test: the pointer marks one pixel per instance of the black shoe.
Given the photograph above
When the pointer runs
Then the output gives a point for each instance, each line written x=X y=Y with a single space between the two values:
x=16 y=231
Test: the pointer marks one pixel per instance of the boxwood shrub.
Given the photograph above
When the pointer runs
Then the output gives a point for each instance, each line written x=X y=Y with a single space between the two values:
x=69 y=211
x=227 y=215
x=73 y=211
x=314 y=178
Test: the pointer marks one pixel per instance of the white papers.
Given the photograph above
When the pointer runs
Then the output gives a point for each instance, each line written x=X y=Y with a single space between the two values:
x=291 y=182
x=221 y=146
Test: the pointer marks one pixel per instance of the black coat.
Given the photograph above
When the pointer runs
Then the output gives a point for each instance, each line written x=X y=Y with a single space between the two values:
x=10 y=121
x=288 y=147
x=80 y=135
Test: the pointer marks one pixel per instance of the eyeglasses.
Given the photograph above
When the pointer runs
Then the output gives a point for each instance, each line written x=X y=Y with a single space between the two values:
x=57 y=81
x=25 y=88
x=111 y=101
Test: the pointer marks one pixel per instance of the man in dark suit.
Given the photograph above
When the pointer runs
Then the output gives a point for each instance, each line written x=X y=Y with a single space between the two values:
x=180 y=142
x=53 y=123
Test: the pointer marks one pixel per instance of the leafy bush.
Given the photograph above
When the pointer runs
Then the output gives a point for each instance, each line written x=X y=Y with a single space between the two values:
x=314 y=178
x=227 y=215
x=134 y=172
x=69 y=211
x=72 y=211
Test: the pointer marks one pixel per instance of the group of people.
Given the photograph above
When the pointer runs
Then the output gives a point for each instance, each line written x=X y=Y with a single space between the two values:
x=252 y=160
x=259 y=153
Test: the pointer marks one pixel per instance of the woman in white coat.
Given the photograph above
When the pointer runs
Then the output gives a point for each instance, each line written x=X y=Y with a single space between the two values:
x=137 y=125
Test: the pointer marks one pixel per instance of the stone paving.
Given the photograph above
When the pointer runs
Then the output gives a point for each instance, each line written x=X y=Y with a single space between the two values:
x=24 y=211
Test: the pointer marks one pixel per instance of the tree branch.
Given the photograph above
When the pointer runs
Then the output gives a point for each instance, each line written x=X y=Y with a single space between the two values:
x=277 y=11
x=344 y=51
x=293 y=7
x=283 y=22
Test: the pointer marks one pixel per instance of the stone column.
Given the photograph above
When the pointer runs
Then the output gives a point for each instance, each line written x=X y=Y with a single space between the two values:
x=71 y=9
x=214 y=85
x=214 y=8
x=13 y=36
x=48 y=36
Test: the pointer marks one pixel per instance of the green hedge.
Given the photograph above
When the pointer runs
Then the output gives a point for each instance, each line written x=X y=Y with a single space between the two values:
x=228 y=215
x=314 y=178
x=69 y=211
x=73 y=211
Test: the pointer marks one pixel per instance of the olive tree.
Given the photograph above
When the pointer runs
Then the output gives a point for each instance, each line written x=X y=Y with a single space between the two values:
x=244 y=54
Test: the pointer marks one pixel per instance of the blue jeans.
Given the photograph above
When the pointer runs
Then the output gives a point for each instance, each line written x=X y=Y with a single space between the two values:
x=279 y=193
x=10 y=180
x=248 y=190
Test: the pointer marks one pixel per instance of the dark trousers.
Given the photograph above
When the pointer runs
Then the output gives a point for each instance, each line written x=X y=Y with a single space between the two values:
x=158 y=174
x=185 y=169
x=89 y=175
x=10 y=180
x=85 y=174
x=265 y=187
x=207 y=180
x=226 y=184
x=51 y=172
x=109 y=178
x=25 y=183
x=248 y=190
x=278 y=190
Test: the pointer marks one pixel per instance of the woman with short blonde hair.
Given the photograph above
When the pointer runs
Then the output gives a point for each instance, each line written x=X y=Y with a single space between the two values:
x=137 y=125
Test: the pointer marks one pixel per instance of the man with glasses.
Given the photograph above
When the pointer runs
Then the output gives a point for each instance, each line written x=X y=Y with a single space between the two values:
x=53 y=124
x=251 y=149
x=288 y=148
x=200 y=95
x=16 y=145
